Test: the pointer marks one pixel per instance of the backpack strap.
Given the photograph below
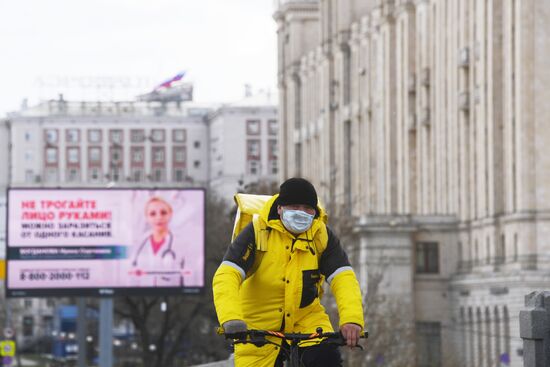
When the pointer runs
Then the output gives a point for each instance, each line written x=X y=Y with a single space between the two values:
x=261 y=236
x=261 y=232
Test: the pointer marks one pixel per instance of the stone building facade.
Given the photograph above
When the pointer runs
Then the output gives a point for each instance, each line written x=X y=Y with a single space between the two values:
x=426 y=123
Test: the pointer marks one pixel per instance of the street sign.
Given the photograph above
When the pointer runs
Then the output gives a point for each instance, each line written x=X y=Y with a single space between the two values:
x=8 y=332
x=7 y=348
x=7 y=361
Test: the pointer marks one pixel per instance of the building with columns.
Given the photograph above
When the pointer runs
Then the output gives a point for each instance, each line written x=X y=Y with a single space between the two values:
x=424 y=122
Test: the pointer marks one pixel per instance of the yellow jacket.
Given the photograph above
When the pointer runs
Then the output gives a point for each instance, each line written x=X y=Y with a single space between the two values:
x=283 y=292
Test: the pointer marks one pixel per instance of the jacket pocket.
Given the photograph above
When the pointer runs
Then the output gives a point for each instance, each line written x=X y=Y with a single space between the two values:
x=310 y=279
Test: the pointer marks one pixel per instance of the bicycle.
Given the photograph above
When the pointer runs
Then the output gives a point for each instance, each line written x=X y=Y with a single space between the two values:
x=291 y=340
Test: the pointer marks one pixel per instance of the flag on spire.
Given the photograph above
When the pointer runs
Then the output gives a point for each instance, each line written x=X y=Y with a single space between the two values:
x=168 y=83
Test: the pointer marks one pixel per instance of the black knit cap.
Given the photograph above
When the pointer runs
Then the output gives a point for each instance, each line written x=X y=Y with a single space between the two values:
x=297 y=191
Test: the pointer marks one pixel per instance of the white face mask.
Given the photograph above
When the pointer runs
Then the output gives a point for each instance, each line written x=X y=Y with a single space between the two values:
x=297 y=221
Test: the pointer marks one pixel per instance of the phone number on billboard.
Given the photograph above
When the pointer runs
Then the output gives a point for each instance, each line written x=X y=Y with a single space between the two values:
x=55 y=275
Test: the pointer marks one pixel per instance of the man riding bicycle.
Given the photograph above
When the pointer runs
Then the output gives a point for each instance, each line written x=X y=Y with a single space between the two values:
x=282 y=291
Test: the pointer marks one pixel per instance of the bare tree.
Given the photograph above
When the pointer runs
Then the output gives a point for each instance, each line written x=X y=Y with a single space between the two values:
x=391 y=331
x=183 y=334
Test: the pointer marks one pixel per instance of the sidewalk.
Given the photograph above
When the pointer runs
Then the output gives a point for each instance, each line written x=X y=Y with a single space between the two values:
x=226 y=363
x=27 y=362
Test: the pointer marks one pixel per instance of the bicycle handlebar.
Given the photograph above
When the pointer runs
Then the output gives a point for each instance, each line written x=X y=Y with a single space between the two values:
x=258 y=337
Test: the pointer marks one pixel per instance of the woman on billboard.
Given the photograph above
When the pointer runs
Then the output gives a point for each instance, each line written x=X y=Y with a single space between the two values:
x=156 y=259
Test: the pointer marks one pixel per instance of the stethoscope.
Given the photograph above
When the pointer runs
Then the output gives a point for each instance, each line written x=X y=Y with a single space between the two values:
x=168 y=252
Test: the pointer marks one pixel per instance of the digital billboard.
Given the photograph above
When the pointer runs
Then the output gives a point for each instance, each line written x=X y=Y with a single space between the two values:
x=104 y=242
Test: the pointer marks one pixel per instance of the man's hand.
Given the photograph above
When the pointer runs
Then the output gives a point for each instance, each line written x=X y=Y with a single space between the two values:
x=351 y=332
x=234 y=328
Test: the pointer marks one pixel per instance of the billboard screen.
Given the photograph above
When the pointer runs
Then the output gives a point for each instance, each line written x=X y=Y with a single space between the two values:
x=104 y=242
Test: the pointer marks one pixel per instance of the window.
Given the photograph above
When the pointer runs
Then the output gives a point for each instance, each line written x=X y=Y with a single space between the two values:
x=94 y=155
x=94 y=136
x=427 y=257
x=273 y=167
x=158 y=175
x=73 y=155
x=179 y=155
x=178 y=136
x=196 y=164
x=273 y=149
x=137 y=135
x=253 y=167
x=253 y=127
x=137 y=175
x=272 y=127
x=47 y=324
x=178 y=175
x=137 y=155
x=72 y=136
x=157 y=135
x=51 y=155
x=51 y=136
x=116 y=155
x=298 y=157
x=428 y=335
x=50 y=175
x=116 y=136
x=73 y=175
x=253 y=149
x=28 y=136
x=93 y=174
x=28 y=326
x=29 y=156
x=346 y=78
x=29 y=176
x=197 y=144
x=115 y=174
x=158 y=155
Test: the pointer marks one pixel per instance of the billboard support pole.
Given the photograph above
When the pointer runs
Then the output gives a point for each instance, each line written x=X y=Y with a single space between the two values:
x=81 y=332
x=106 y=332
x=8 y=313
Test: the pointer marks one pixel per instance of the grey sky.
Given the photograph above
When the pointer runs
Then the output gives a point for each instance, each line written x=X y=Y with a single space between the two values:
x=58 y=46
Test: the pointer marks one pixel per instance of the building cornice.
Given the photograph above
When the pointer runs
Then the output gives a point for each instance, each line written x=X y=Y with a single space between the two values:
x=291 y=10
x=405 y=223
